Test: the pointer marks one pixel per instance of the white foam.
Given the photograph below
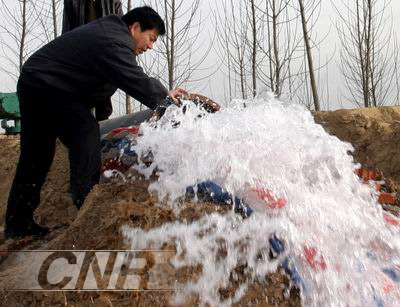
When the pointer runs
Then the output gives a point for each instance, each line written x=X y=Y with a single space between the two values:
x=275 y=148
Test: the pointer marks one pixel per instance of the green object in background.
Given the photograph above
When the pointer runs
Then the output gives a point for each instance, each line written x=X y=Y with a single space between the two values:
x=9 y=110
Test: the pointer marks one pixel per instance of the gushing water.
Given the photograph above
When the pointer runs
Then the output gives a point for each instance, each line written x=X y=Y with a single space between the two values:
x=301 y=183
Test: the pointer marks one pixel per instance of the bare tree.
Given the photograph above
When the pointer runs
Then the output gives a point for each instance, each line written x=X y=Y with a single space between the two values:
x=253 y=23
x=48 y=14
x=177 y=57
x=291 y=67
x=240 y=47
x=18 y=39
x=265 y=44
x=368 y=58
x=307 y=43
x=270 y=41
x=234 y=23
x=281 y=46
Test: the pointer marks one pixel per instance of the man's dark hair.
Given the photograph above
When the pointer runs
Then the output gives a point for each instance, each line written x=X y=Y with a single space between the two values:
x=146 y=17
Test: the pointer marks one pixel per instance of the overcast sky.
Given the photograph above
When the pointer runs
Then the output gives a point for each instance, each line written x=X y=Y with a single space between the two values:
x=213 y=86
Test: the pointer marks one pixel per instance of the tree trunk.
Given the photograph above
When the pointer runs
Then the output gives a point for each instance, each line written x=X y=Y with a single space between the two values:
x=369 y=47
x=309 y=58
x=361 y=55
x=172 y=54
x=276 y=49
x=242 y=77
x=54 y=12
x=254 y=47
x=23 y=36
x=270 y=59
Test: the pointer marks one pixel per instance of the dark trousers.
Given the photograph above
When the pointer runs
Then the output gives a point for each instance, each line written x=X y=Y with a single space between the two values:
x=46 y=116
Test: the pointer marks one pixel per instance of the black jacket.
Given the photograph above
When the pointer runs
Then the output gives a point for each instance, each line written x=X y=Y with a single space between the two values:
x=89 y=63
x=75 y=12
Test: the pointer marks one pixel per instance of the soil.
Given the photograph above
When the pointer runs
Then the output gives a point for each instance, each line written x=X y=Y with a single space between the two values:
x=374 y=133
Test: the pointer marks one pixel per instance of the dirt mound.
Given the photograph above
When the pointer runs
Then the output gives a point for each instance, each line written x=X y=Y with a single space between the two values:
x=97 y=227
x=374 y=133
x=56 y=205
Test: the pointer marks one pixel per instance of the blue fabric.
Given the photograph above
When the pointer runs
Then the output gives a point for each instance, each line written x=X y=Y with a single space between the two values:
x=210 y=191
x=392 y=273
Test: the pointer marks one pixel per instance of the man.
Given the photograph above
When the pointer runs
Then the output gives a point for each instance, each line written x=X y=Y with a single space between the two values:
x=58 y=86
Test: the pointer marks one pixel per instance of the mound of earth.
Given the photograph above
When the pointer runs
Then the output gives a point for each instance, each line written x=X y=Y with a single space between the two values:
x=374 y=133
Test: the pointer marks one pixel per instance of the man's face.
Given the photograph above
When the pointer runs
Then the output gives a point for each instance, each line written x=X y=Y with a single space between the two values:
x=143 y=40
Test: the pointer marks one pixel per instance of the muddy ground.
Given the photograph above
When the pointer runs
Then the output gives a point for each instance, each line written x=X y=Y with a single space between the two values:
x=374 y=133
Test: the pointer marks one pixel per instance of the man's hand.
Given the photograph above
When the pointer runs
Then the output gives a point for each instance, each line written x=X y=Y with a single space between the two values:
x=208 y=104
x=211 y=106
x=176 y=94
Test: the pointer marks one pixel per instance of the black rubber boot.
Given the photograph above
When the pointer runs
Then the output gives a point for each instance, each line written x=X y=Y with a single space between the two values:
x=22 y=202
